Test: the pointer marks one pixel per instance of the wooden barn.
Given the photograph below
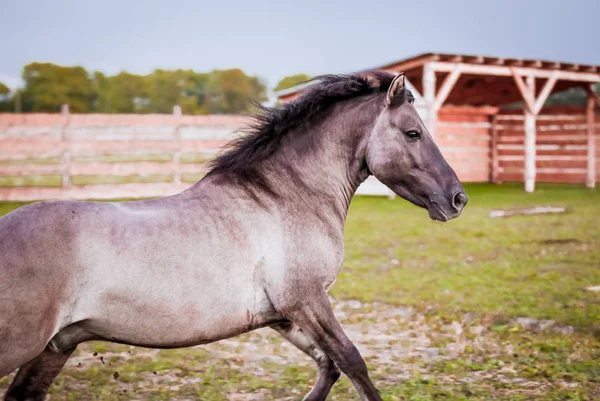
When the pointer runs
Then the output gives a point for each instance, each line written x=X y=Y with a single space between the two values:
x=463 y=100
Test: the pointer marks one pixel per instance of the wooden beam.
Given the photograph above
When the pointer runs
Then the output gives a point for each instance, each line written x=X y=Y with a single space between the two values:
x=408 y=65
x=529 y=176
x=495 y=60
x=552 y=65
x=571 y=67
x=455 y=59
x=514 y=62
x=414 y=88
x=446 y=88
x=526 y=91
x=475 y=59
x=429 y=97
x=495 y=162
x=539 y=102
x=592 y=93
x=591 y=142
x=502 y=70
x=534 y=64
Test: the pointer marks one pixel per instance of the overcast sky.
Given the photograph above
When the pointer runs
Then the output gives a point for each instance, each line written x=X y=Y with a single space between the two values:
x=277 y=38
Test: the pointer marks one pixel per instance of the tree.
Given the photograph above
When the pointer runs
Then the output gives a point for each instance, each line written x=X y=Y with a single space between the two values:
x=4 y=90
x=291 y=81
x=48 y=86
x=232 y=91
x=176 y=87
x=123 y=93
x=6 y=103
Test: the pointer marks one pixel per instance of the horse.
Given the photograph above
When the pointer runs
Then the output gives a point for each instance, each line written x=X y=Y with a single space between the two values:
x=258 y=242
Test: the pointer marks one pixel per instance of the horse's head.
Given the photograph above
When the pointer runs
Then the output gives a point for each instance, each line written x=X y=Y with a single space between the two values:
x=402 y=154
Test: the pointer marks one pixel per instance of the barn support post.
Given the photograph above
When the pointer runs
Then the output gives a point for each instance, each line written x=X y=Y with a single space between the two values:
x=495 y=164
x=65 y=156
x=591 y=141
x=435 y=101
x=429 y=97
x=530 y=135
x=533 y=105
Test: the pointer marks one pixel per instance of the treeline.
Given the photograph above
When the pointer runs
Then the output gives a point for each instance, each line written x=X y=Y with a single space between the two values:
x=48 y=86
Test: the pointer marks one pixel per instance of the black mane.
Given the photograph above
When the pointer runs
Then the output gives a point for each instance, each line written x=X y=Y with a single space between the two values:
x=262 y=138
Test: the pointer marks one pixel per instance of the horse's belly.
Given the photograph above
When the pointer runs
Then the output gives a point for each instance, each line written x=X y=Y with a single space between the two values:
x=149 y=323
x=163 y=312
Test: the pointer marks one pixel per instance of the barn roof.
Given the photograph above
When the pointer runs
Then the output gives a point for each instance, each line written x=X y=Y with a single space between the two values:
x=483 y=80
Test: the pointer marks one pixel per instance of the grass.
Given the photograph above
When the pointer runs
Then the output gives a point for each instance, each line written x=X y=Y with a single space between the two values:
x=475 y=272
x=520 y=266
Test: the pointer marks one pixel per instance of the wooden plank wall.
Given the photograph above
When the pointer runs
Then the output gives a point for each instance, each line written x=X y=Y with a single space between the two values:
x=561 y=146
x=464 y=137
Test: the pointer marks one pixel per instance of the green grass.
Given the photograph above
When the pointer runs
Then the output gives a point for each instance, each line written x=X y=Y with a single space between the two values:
x=120 y=179
x=519 y=266
x=50 y=180
x=476 y=270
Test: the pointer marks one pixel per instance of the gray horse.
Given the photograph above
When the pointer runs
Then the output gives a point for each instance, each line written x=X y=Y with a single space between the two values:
x=258 y=242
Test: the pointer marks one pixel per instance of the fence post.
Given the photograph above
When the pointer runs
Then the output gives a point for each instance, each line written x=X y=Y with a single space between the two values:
x=178 y=146
x=591 y=143
x=65 y=157
x=494 y=151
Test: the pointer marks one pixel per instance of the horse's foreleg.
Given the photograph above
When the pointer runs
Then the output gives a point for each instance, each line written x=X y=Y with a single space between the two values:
x=315 y=317
x=35 y=377
x=328 y=372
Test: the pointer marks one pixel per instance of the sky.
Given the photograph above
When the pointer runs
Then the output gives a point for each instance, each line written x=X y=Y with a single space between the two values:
x=276 y=38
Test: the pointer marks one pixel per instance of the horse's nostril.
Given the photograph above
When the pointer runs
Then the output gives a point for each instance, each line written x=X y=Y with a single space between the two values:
x=459 y=200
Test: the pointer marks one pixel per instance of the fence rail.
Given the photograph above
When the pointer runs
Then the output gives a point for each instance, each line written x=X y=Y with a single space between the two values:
x=561 y=147
x=106 y=156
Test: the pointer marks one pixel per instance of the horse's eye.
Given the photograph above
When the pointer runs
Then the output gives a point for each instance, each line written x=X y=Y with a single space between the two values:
x=413 y=135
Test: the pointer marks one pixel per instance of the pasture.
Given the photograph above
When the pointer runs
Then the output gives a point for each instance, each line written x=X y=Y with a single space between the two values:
x=474 y=309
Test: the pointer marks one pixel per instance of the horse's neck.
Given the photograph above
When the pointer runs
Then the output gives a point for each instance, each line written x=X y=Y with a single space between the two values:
x=325 y=165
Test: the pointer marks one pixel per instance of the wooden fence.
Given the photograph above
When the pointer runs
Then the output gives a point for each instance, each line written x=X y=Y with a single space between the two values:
x=93 y=156
x=45 y=156
x=562 y=144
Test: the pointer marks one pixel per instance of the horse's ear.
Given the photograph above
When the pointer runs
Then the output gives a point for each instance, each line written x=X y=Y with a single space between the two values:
x=396 y=87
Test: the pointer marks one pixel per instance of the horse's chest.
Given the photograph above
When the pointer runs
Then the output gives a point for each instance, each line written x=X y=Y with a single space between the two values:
x=319 y=258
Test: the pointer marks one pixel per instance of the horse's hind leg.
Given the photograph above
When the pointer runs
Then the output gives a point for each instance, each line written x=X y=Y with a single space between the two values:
x=328 y=371
x=35 y=377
